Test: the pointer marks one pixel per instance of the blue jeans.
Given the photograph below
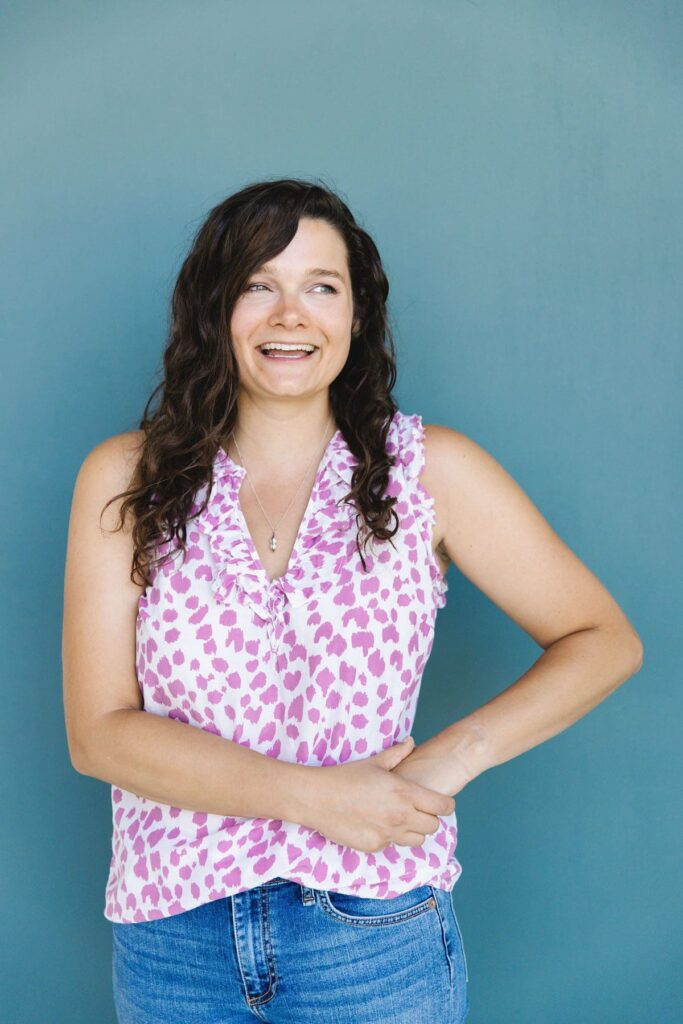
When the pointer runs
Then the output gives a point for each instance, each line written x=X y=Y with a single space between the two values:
x=287 y=954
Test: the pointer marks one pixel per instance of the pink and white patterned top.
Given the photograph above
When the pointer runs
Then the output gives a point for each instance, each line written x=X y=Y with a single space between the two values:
x=320 y=666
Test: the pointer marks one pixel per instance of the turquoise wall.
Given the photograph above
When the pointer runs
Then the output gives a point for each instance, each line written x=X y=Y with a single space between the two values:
x=520 y=167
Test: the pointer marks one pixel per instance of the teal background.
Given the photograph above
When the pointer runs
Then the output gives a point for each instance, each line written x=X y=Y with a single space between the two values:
x=519 y=166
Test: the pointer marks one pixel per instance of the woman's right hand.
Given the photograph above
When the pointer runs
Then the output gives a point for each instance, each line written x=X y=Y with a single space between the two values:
x=362 y=804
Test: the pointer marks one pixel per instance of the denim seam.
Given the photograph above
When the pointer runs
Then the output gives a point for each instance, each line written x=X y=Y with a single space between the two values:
x=265 y=997
x=444 y=940
x=237 y=953
x=383 y=919
x=462 y=942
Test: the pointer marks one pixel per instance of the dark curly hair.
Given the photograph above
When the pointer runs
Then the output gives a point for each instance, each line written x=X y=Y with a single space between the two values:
x=197 y=410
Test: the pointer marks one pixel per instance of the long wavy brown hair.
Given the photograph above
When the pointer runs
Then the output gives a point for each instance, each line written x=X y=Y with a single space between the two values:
x=198 y=392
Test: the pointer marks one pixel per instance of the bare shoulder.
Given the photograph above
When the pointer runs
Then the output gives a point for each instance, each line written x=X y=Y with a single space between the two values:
x=442 y=445
x=455 y=463
x=468 y=484
x=107 y=470
x=119 y=452
x=448 y=455
x=464 y=479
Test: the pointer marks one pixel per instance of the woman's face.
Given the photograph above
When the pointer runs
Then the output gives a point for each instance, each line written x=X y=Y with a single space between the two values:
x=292 y=299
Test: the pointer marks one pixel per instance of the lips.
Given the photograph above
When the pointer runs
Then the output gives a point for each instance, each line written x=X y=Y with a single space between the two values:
x=288 y=344
x=296 y=352
x=293 y=356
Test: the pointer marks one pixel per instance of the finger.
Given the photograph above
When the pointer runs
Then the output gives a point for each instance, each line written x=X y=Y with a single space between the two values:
x=411 y=839
x=431 y=801
x=419 y=821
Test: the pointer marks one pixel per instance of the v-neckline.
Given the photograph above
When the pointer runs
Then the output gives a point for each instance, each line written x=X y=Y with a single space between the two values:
x=308 y=511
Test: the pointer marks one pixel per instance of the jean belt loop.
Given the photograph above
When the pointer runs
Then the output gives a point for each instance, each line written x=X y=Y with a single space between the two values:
x=307 y=895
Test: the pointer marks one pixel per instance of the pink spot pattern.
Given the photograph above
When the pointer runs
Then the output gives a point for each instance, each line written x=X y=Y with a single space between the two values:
x=320 y=666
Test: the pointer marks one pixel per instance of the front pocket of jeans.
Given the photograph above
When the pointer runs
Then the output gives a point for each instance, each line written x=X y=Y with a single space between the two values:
x=364 y=910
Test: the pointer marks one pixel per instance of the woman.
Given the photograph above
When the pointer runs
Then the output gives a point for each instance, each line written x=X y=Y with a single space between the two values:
x=245 y=638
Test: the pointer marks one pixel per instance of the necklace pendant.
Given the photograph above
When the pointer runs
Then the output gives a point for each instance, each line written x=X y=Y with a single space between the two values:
x=273 y=543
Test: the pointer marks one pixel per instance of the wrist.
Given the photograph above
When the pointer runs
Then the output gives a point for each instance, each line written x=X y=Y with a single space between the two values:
x=464 y=749
x=300 y=788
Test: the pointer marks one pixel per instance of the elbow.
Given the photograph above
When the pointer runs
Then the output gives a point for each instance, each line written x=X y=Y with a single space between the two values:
x=78 y=758
x=625 y=643
x=78 y=764
x=93 y=752
x=638 y=654
x=634 y=645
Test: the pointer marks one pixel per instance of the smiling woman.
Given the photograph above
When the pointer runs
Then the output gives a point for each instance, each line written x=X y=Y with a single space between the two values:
x=295 y=320
x=244 y=642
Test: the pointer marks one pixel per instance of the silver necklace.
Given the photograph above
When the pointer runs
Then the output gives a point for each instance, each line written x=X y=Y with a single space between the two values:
x=273 y=539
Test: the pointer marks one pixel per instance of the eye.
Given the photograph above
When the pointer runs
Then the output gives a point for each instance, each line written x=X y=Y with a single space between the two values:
x=259 y=284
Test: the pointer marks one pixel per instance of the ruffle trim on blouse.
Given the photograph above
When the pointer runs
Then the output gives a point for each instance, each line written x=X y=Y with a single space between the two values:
x=319 y=550
x=406 y=440
x=326 y=536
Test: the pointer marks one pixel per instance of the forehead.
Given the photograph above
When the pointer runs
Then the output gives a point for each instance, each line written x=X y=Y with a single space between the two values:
x=317 y=249
x=267 y=268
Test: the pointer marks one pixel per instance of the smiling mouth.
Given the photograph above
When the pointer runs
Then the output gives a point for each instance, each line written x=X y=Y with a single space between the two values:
x=289 y=353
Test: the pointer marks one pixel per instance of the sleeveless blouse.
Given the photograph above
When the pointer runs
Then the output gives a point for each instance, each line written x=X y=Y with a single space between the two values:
x=320 y=666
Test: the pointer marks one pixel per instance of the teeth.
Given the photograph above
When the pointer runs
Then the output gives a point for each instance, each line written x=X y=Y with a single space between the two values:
x=288 y=348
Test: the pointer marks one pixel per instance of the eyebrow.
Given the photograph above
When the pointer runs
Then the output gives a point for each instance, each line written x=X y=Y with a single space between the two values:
x=313 y=272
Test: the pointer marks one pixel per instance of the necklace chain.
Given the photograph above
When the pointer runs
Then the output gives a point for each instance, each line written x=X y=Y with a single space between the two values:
x=273 y=539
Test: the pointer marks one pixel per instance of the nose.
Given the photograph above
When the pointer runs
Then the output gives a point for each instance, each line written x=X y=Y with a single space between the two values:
x=288 y=311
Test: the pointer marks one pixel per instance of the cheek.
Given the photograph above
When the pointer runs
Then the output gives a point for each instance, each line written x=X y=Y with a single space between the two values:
x=344 y=352
x=241 y=322
x=340 y=357
x=242 y=332
x=243 y=358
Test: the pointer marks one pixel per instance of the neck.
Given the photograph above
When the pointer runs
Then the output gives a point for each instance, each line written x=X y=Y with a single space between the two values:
x=274 y=439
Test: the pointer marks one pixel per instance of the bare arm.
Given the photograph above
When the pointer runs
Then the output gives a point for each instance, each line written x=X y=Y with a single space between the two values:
x=171 y=762
x=570 y=678
x=498 y=538
x=110 y=736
